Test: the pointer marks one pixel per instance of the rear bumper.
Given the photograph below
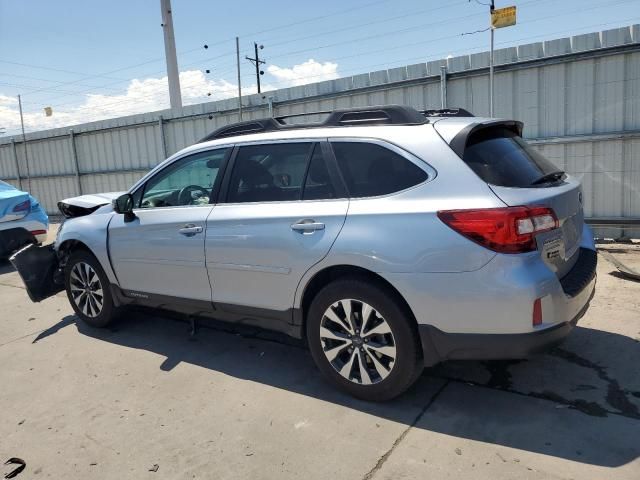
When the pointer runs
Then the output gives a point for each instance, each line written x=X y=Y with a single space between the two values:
x=13 y=239
x=439 y=346
x=17 y=233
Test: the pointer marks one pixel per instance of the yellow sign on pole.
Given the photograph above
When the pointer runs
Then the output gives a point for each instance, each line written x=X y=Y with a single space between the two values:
x=503 y=17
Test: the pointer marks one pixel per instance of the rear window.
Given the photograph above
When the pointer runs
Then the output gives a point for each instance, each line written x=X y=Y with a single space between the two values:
x=500 y=157
x=371 y=170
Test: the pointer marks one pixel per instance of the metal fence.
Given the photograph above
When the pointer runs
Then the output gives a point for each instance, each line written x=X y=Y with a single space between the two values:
x=579 y=98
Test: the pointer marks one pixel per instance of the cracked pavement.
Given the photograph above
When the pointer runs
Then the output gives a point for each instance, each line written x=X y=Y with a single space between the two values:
x=241 y=403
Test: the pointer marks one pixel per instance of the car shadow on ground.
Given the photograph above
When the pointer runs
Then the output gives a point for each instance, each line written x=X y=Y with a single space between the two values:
x=481 y=401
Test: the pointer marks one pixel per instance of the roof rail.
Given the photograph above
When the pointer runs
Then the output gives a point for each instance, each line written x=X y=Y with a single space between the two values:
x=447 y=112
x=382 y=115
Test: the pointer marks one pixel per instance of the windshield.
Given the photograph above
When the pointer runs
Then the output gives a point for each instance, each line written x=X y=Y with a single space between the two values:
x=501 y=157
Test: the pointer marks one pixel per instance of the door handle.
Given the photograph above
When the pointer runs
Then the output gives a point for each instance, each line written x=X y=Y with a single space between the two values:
x=307 y=226
x=190 y=230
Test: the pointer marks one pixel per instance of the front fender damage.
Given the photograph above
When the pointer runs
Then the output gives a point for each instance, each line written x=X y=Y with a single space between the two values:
x=40 y=271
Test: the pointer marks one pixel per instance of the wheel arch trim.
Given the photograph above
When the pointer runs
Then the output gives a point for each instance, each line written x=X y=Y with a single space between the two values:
x=315 y=279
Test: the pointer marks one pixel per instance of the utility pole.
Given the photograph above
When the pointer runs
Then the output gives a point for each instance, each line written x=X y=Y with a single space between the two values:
x=492 y=30
x=175 y=96
x=24 y=142
x=239 y=85
x=257 y=62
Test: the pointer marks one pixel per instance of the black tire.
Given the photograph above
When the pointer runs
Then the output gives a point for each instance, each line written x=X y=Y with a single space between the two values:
x=407 y=365
x=108 y=311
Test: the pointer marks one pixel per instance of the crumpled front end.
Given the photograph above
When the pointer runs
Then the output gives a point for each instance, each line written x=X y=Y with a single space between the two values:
x=85 y=204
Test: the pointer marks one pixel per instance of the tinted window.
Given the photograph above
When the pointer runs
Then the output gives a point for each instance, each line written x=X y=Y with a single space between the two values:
x=500 y=157
x=269 y=173
x=188 y=181
x=371 y=170
x=318 y=184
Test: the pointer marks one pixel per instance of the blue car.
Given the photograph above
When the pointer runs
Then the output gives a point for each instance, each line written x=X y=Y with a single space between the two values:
x=22 y=220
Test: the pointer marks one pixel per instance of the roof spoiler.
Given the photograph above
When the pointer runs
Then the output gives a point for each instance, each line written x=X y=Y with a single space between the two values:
x=459 y=143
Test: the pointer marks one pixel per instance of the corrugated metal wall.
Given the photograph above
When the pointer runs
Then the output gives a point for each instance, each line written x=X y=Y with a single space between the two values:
x=579 y=98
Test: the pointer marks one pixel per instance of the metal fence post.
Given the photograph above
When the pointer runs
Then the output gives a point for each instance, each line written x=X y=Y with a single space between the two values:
x=15 y=157
x=443 y=86
x=270 y=100
x=163 y=142
x=74 y=154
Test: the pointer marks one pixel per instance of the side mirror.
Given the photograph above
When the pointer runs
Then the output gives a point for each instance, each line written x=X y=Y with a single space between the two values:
x=124 y=204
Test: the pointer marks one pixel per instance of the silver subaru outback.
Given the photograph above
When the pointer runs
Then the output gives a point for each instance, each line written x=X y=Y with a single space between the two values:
x=389 y=239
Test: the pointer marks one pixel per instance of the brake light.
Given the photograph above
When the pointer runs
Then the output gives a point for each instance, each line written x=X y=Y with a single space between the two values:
x=22 y=207
x=537 y=313
x=503 y=230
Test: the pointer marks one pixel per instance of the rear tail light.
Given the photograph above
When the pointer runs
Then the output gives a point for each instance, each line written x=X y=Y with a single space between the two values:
x=22 y=207
x=537 y=313
x=503 y=230
x=38 y=232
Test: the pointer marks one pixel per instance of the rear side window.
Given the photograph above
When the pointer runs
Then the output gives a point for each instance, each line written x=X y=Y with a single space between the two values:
x=500 y=157
x=370 y=170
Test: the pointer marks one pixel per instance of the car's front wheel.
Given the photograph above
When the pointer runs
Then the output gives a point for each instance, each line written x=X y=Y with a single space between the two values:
x=88 y=289
x=362 y=339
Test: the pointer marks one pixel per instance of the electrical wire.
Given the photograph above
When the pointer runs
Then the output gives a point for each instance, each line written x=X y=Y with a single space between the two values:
x=297 y=39
x=400 y=46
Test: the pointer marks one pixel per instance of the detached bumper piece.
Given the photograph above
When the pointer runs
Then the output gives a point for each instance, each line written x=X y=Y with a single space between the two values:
x=37 y=267
x=14 y=239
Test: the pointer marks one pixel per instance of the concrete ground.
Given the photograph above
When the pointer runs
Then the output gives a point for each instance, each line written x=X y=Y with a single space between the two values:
x=145 y=400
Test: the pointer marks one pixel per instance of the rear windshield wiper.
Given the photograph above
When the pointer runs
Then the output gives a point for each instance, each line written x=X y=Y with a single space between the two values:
x=549 y=177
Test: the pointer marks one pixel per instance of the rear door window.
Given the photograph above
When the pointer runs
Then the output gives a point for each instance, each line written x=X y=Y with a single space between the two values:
x=501 y=157
x=269 y=173
x=371 y=170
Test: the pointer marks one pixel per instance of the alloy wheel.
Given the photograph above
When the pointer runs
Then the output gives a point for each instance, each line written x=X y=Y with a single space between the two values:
x=357 y=341
x=86 y=289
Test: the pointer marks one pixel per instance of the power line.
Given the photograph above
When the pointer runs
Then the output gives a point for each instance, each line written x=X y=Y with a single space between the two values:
x=232 y=53
x=367 y=24
x=230 y=91
x=401 y=46
x=155 y=60
x=296 y=39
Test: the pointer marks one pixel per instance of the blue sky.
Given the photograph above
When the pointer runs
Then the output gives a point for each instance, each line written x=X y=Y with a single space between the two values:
x=91 y=59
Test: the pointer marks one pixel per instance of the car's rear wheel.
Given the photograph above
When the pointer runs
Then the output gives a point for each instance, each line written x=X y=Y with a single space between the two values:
x=88 y=289
x=363 y=340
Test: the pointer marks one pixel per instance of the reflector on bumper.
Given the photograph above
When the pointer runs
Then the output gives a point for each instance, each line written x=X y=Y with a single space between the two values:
x=37 y=267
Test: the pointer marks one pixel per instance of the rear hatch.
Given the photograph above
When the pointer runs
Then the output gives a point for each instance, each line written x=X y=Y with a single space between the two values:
x=520 y=175
x=14 y=204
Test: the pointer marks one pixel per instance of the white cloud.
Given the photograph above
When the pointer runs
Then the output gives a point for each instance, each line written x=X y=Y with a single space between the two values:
x=4 y=100
x=151 y=94
x=307 y=72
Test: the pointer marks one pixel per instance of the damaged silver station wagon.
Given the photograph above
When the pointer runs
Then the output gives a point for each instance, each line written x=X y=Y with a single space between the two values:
x=389 y=239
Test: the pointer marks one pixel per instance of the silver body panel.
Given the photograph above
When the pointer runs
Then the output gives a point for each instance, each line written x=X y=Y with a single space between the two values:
x=150 y=255
x=256 y=259
x=248 y=254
